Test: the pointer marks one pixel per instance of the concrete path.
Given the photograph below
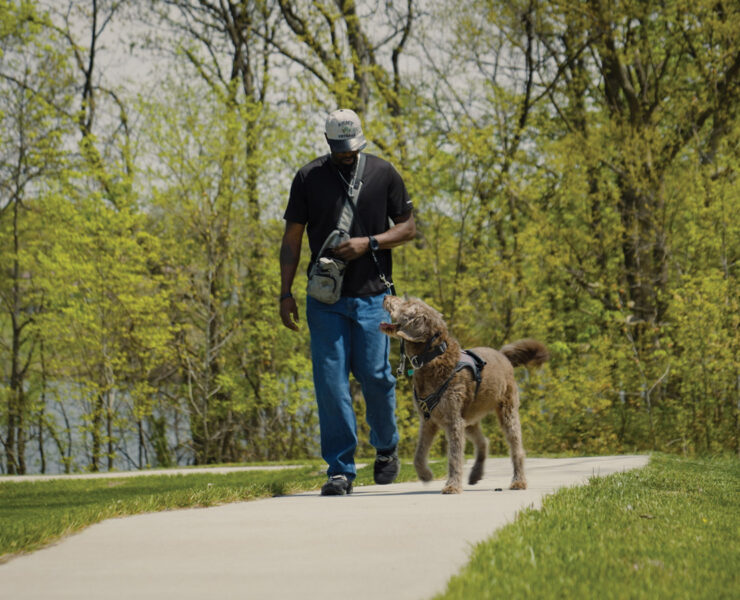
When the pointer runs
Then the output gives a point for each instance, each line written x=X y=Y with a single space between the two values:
x=402 y=541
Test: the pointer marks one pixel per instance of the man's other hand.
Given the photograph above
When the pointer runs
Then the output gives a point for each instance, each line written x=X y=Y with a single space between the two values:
x=289 y=313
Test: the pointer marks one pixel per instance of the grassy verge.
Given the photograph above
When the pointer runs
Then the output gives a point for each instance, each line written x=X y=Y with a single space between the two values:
x=671 y=530
x=34 y=514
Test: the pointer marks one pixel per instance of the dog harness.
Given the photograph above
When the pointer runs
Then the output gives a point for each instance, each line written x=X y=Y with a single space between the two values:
x=468 y=360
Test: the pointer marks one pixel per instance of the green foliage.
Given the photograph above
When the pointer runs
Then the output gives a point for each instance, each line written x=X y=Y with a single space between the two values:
x=107 y=326
x=600 y=225
x=33 y=104
x=246 y=381
x=574 y=174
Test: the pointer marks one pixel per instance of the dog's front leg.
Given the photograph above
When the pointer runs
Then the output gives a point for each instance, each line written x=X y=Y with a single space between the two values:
x=427 y=431
x=455 y=448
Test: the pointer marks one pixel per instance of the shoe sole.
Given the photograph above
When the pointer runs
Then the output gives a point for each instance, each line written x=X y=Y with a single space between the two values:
x=385 y=482
x=346 y=492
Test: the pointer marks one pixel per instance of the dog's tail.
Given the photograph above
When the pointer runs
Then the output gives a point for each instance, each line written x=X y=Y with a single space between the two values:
x=526 y=352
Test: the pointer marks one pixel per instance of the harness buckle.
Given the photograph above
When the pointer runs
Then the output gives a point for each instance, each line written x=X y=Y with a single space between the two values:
x=415 y=362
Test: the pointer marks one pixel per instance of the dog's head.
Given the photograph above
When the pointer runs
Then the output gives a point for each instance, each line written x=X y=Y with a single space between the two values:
x=412 y=320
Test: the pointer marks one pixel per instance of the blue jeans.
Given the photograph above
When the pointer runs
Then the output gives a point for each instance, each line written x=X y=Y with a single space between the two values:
x=346 y=337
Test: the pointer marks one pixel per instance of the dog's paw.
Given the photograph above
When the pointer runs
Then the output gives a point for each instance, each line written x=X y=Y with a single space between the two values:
x=452 y=489
x=425 y=474
x=475 y=476
x=518 y=484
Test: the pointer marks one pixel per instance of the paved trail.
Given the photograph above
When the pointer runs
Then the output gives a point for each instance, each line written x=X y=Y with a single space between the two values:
x=396 y=542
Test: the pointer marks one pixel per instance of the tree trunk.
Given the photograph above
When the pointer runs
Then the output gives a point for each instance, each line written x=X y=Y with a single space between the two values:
x=109 y=429
x=97 y=442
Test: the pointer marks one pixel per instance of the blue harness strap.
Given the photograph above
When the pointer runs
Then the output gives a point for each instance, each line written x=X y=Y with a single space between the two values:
x=468 y=360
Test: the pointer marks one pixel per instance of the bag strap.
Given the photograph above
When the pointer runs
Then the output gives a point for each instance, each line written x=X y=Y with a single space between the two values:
x=353 y=193
x=345 y=218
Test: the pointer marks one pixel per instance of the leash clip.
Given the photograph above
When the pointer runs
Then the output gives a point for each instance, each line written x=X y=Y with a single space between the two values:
x=401 y=365
x=400 y=371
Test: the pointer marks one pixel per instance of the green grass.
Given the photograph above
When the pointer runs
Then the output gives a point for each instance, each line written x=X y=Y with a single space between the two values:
x=670 y=530
x=34 y=514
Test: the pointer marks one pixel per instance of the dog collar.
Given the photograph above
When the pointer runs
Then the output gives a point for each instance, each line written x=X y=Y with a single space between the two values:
x=429 y=353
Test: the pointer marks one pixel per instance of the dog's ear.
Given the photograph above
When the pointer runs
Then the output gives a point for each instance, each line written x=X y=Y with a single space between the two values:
x=412 y=325
x=410 y=336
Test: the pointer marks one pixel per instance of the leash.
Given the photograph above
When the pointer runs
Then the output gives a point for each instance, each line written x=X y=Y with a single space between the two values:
x=401 y=370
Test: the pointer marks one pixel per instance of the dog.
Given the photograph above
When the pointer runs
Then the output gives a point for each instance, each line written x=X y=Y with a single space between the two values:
x=459 y=400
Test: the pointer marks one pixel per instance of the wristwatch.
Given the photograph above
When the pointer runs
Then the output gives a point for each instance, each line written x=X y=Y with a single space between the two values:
x=374 y=245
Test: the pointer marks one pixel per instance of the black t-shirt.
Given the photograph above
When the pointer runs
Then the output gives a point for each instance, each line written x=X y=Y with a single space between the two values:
x=316 y=200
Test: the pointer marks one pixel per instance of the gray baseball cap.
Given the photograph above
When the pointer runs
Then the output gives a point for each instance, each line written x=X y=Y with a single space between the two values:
x=343 y=131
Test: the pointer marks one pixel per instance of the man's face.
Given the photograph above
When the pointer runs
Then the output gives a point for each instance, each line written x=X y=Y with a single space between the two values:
x=344 y=158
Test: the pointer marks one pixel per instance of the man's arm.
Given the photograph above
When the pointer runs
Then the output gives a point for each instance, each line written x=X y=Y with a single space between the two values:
x=290 y=255
x=403 y=230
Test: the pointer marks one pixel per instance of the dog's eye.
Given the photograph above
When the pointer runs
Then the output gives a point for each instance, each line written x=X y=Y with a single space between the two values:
x=412 y=330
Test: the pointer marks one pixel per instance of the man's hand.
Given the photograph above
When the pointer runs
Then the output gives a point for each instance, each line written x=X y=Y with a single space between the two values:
x=351 y=249
x=403 y=230
x=290 y=254
x=289 y=313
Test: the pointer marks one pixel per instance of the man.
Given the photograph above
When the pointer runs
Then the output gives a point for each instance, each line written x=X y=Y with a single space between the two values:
x=345 y=336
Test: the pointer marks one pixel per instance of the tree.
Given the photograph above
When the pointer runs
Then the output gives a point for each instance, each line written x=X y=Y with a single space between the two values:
x=330 y=42
x=242 y=383
x=34 y=107
x=109 y=167
x=101 y=202
x=107 y=327
x=582 y=118
x=637 y=97
x=573 y=168
x=671 y=81
x=227 y=46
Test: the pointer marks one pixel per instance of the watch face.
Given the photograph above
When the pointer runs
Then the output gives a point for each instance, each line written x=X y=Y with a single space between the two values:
x=374 y=244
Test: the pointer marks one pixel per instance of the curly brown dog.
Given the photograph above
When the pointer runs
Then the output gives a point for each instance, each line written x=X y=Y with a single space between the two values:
x=448 y=396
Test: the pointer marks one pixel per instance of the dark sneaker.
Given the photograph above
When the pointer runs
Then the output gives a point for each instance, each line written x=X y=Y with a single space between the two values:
x=386 y=467
x=338 y=485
